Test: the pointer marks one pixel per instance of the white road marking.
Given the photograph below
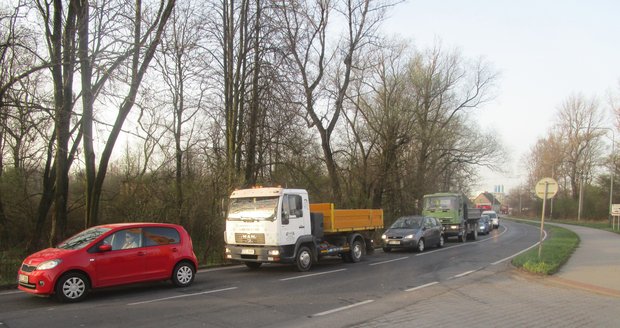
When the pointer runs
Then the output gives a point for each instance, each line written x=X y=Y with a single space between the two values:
x=221 y=268
x=383 y=262
x=9 y=293
x=521 y=252
x=342 y=308
x=464 y=274
x=312 y=275
x=423 y=286
x=181 y=296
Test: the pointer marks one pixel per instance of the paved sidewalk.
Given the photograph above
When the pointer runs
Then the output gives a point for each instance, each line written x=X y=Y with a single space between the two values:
x=595 y=265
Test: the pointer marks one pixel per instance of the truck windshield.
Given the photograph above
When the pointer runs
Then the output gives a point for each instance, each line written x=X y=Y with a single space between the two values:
x=253 y=208
x=439 y=203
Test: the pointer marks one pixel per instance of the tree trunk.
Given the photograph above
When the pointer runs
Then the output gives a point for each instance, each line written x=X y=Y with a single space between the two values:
x=82 y=9
x=179 y=104
x=250 y=169
x=63 y=57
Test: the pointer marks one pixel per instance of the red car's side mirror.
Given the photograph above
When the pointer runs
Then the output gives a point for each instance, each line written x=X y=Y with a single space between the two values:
x=105 y=248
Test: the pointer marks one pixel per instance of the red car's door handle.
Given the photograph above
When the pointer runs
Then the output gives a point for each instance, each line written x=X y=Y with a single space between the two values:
x=141 y=253
x=174 y=249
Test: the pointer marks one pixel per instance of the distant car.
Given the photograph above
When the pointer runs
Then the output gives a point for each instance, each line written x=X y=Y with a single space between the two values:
x=110 y=255
x=485 y=225
x=494 y=218
x=413 y=232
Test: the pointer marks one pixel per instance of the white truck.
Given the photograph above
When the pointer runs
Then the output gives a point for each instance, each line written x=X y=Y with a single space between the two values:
x=278 y=225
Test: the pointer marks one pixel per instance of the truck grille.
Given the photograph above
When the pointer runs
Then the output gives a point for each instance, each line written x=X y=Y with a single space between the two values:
x=250 y=238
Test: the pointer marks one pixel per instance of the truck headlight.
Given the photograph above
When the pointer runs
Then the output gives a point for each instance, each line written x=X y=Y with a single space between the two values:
x=274 y=252
x=227 y=250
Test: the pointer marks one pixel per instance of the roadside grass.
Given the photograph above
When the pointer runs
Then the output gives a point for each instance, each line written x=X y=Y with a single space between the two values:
x=601 y=225
x=556 y=250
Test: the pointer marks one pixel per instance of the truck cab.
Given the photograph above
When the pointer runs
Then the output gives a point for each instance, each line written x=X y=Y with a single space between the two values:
x=455 y=212
x=264 y=224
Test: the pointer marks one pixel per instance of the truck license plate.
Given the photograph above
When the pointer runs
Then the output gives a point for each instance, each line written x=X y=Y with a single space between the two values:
x=394 y=242
x=247 y=251
x=23 y=278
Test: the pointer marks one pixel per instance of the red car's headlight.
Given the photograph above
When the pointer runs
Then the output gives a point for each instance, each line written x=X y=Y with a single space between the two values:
x=48 y=264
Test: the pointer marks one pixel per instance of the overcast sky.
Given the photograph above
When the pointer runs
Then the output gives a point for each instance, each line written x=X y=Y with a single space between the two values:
x=544 y=51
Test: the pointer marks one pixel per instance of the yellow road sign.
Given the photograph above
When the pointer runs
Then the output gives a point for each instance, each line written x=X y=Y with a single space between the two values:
x=548 y=184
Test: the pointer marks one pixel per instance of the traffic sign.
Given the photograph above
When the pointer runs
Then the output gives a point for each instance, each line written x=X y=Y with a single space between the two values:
x=615 y=209
x=548 y=186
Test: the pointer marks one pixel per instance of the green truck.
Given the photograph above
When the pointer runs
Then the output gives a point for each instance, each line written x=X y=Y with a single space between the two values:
x=456 y=212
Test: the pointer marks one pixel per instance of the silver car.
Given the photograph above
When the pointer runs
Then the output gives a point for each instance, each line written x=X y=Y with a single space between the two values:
x=494 y=218
x=413 y=232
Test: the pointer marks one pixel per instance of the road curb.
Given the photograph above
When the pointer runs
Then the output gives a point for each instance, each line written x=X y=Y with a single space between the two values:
x=583 y=286
x=563 y=282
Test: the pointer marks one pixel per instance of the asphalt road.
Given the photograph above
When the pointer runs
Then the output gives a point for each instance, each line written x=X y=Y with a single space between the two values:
x=277 y=295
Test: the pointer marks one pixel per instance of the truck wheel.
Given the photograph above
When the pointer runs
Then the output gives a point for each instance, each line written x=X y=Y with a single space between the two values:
x=421 y=245
x=303 y=259
x=357 y=251
x=253 y=265
x=474 y=234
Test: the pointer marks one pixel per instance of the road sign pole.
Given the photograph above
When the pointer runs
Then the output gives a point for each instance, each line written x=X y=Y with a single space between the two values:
x=542 y=220
x=545 y=188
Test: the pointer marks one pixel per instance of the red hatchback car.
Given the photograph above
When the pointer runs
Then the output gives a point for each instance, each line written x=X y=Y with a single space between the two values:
x=110 y=255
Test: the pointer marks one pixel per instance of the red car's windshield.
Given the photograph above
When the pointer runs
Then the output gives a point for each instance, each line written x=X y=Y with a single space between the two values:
x=83 y=238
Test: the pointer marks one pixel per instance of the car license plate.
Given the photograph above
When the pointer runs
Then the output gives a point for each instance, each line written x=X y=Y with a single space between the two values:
x=23 y=278
x=394 y=242
x=247 y=251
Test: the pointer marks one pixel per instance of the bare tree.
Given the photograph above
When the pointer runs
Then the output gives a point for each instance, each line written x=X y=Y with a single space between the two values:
x=305 y=25
x=444 y=88
x=578 y=125
x=235 y=43
x=546 y=160
x=255 y=105
x=59 y=22
x=180 y=63
x=384 y=106
x=139 y=54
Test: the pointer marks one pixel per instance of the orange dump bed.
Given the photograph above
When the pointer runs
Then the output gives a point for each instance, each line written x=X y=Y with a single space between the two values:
x=348 y=220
